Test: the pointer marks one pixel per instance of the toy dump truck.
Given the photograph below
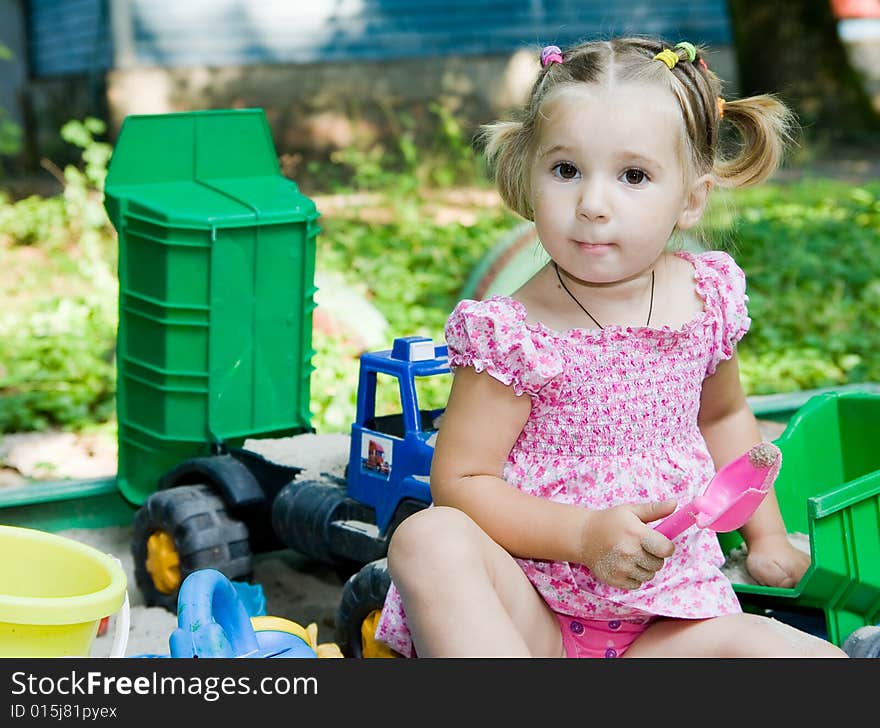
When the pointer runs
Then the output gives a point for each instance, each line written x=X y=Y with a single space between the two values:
x=216 y=278
x=217 y=511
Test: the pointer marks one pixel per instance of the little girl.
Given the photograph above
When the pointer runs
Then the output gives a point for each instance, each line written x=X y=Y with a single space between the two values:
x=604 y=392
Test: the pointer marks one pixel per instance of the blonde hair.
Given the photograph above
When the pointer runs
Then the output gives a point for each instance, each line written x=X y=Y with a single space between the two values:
x=763 y=123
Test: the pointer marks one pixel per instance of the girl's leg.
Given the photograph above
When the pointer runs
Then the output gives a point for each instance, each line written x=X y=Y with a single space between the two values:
x=733 y=635
x=463 y=594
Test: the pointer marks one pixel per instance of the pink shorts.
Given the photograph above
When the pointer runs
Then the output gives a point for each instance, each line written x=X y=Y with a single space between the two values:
x=599 y=637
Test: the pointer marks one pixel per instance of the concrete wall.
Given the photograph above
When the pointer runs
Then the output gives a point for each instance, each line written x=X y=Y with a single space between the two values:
x=314 y=109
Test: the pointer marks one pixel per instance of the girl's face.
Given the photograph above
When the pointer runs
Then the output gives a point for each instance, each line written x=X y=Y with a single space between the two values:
x=608 y=180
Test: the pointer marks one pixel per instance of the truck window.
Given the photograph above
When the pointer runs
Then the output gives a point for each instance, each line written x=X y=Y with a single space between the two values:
x=432 y=393
x=389 y=410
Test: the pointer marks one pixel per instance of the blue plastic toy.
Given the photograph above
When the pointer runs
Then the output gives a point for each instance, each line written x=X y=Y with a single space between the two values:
x=212 y=621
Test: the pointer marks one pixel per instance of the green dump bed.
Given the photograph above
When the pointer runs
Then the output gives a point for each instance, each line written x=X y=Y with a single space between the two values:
x=829 y=488
x=216 y=290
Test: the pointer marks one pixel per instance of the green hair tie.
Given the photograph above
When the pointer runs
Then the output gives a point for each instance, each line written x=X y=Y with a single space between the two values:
x=689 y=48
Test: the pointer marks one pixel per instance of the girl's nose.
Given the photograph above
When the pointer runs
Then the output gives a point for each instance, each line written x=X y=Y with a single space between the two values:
x=593 y=202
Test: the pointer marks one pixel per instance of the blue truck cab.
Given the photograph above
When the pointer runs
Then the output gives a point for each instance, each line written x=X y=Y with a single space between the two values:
x=390 y=457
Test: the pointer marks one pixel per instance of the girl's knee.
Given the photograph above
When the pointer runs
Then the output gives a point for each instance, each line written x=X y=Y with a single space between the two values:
x=813 y=646
x=785 y=640
x=435 y=536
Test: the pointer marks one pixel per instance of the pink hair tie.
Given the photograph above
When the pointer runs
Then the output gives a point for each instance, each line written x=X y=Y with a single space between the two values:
x=551 y=54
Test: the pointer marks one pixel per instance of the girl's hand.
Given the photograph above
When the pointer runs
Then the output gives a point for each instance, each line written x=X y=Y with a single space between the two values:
x=773 y=561
x=620 y=549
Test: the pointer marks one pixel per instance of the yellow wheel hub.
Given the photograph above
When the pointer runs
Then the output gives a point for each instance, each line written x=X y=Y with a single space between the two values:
x=163 y=562
x=370 y=646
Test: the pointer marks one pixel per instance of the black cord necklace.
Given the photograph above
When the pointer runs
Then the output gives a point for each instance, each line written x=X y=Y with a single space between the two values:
x=581 y=306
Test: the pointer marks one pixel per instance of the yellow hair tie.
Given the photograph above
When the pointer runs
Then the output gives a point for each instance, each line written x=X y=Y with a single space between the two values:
x=720 y=103
x=668 y=57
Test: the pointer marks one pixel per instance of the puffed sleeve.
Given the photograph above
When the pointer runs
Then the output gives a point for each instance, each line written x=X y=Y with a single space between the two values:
x=492 y=336
x=722 y=284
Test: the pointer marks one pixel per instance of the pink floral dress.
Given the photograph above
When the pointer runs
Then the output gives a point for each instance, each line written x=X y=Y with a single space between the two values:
x=613 y=420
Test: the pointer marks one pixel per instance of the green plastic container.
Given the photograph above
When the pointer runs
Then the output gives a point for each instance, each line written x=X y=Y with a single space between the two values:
x=216 y=290
x=829 y=488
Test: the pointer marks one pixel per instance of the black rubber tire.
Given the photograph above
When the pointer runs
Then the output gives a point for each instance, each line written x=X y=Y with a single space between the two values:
x=346 y=568
x=204 y=535
x=362 y=594
x=301 y=515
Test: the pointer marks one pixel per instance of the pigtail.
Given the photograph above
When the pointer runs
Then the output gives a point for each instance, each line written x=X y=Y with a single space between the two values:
x=505 y=147
x=765 y=127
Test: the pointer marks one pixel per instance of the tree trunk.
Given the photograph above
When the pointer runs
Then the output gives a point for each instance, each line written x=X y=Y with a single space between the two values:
x=792 y=49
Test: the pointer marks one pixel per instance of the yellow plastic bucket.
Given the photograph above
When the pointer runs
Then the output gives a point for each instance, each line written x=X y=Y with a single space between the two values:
x=54 y=591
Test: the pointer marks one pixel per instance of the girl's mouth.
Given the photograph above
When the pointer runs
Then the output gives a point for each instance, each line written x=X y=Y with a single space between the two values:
x=593 y=247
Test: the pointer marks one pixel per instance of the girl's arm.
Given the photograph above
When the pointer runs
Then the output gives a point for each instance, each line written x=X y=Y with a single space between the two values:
x=482 y=421
x=730 y=429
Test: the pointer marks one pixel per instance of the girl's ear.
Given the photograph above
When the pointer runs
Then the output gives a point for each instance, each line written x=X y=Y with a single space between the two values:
x=695 y=203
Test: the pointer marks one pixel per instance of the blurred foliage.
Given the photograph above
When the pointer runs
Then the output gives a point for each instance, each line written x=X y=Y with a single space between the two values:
x=428 y=151
x=810 y=250
x=811 y=254
x=58 y=327
x=57 y=368
x=412 y=269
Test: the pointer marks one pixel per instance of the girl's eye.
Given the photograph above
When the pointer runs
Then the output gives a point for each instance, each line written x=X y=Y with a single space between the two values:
x=634 y=176
x=565 y=170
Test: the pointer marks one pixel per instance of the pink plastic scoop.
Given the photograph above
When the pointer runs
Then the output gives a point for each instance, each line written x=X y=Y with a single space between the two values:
x=732 y=496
